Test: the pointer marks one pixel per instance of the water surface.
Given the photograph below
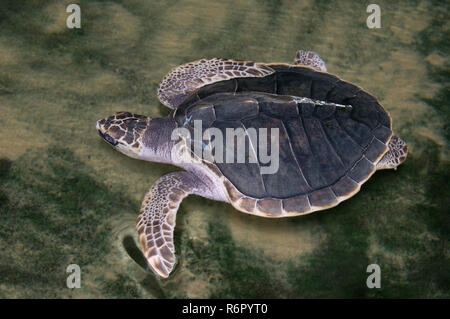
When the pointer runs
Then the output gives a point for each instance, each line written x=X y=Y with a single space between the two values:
x=67 y=197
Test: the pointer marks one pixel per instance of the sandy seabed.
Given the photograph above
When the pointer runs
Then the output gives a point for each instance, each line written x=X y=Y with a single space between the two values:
x=66 y=197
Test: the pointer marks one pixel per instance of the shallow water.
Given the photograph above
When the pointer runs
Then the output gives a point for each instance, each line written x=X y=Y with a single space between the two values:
x=68 y=198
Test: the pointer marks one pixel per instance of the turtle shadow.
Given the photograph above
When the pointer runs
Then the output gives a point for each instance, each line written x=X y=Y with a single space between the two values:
x=5 y=166
x=134 y=252
x=149 y=283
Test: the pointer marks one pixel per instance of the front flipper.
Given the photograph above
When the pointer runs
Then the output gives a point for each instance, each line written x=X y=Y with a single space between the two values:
x=156 y=221
x=184 y=79
x=311 y=59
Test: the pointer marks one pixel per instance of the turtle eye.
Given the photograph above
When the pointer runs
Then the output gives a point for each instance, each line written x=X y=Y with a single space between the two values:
x=108 y=138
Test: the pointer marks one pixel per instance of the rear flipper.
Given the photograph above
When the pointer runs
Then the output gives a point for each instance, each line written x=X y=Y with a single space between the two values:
x=311 y=59
x=398 y=150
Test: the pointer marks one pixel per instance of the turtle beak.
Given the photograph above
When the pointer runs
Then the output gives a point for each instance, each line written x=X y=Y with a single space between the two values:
x=104 y=135
x=99 y=124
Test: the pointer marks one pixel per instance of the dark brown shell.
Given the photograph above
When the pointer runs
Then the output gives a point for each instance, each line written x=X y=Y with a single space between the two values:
x=325 y=151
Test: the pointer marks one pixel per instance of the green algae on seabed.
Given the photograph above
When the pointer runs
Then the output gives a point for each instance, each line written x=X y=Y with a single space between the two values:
x=67 y=197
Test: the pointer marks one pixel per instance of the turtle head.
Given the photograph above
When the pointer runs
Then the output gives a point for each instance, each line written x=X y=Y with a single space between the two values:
x=125 y=131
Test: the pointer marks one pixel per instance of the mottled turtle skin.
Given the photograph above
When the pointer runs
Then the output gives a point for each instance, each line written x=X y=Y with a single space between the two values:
x=326 y=151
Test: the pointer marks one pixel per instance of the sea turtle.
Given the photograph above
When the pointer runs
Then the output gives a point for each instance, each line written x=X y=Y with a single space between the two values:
x=332 y=136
